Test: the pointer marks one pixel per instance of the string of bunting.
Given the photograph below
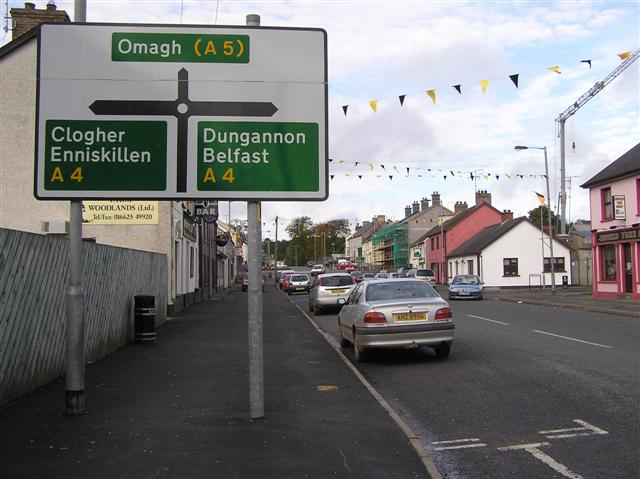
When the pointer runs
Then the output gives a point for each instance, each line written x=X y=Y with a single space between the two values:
x=484 y=84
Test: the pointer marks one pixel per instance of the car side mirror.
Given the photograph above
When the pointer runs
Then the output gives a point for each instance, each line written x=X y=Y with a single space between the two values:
x=342 y=301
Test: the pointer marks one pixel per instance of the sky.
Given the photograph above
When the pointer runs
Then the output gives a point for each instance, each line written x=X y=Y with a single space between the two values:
x=385 y=160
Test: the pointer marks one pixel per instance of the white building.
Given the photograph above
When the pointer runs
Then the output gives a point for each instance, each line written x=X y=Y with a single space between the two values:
x=513 y=253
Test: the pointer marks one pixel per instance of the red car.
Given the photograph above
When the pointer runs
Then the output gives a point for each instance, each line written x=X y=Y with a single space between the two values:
x=349 y=269
x=344 y=265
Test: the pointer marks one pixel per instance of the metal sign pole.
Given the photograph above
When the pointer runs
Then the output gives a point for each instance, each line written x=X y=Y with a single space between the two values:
x=256 y=374
x=74 y=362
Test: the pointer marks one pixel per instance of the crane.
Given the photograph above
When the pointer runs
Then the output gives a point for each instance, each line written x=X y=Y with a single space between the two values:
x=562 y=118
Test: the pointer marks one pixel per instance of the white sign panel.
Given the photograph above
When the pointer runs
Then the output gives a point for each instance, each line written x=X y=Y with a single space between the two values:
x=181 y=112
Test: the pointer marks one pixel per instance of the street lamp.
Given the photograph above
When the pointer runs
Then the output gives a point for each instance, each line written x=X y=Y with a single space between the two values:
x=546 y=172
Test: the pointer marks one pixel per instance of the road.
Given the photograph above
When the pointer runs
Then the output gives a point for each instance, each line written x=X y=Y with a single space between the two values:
x=528 y=391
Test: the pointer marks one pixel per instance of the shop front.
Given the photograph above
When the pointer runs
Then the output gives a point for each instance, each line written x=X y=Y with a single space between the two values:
x=616 y=270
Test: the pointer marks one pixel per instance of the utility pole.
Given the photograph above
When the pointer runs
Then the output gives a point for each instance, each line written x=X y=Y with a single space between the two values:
x=275 y=276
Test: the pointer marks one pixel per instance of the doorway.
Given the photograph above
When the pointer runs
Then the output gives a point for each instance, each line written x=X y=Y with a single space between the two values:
x=628 y=270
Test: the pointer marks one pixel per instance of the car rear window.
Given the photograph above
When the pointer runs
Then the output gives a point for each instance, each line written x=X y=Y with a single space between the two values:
x=399 y=290
x=336 y=280
x=424 y=272
x=466 y=280
x=299 y=277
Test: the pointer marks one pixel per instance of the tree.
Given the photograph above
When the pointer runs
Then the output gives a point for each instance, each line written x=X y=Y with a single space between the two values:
x=534 y=216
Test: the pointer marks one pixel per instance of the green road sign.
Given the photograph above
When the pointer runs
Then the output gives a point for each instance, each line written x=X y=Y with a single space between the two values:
x=105 y=155
x=258 y=156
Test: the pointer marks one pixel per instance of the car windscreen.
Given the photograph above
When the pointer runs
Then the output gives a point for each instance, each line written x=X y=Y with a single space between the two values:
x=424 y=272
x=466 y=280
x=336 y=281
x=399 y=290
x=299 y=277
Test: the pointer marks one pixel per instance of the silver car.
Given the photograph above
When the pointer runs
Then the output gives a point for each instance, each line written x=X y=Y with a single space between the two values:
x=395 y=313
x=298 y=283
x=327 y=289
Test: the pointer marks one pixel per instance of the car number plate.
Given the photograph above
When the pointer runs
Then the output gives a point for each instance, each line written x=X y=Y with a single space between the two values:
x=464 y=293
x=410 y=316
x=338 y=291
x=299 y=289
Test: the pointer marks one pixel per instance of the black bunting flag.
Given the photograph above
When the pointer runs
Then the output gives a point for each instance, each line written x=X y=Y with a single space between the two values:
x=357 y=163
x=514 y=79
x=459 y=88
x=332 y=176
x=445 y=177
x=407 y=170
x=360 y=176
x=586 y=61
x=344 y=109
x=330 y=160
x=382 y=166
x=401 y=98
x=497 y=177
x=391 y=177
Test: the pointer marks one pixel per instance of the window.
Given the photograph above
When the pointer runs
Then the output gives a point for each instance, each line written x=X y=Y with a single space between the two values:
x=437 y=242
x=608 y=255
x=638 y=197
x=510 y=266
x=470 y=266
x=558 y=265
x=191 y=261
x=607 y=204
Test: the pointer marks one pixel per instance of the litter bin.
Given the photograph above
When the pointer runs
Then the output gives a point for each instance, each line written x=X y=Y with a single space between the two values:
x=565 y=281
x=145 y=318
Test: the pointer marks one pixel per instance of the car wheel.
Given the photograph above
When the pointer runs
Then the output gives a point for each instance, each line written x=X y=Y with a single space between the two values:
x=344 y=342
x=317 y=310
x=310 y=306
x=359 y=352
x=443 y=350
x=289 y=293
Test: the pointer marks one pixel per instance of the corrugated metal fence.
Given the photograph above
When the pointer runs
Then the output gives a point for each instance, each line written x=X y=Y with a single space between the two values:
x=33 y=288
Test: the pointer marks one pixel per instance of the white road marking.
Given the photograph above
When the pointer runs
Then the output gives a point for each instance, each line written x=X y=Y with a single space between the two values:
x=534 y=450
x=487 y=319
x=458 y=444
x=586 y=430
x=572 y=339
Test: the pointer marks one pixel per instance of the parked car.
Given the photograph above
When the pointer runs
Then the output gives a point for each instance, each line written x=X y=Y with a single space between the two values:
x=396 y=313
x=423 y=274
x=281 y=274
x=298 y=283
x=317 y=269
x=402 y=272
x=327 y=289
x=368 y=276
x=466 y=286
x=349 y=269
x=381 y=275
x=245 y=282
x=310 y=264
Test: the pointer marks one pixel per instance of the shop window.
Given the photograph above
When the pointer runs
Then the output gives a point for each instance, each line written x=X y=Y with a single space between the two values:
x=510 y=266
x=607 y=204
x=608 y=255
x=558 y=265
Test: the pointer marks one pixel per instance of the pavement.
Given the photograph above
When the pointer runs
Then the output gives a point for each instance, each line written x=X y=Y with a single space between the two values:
x=179 y=408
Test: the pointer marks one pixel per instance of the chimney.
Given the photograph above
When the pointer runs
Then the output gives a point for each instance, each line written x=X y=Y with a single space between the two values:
x=483 y=195
x=460 y=206
x=27 y=18
x=424 y=204
x=407 y=211
x=435 y=198
x=416 y=207
x=507 y=215
x=378 y=219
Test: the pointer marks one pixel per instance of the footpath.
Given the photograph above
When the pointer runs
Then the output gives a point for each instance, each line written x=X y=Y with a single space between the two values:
x=179 y=408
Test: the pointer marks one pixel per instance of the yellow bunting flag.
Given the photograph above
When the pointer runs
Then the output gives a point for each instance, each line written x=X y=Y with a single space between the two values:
x=540 y=198
x=374 y=105
x=432 y=95
x=484 y=84
x=624 y=56
x=371 y=166
x=556 y=69
x=342 y=161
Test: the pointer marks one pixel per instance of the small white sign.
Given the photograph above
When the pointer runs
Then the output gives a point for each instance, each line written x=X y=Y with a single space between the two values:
x=618 y=208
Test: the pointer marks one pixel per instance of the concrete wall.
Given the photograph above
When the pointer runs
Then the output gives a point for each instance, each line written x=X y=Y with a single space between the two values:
x=33 y=288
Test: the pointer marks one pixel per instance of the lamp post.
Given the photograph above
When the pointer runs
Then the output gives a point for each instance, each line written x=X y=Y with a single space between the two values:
x=546 y=172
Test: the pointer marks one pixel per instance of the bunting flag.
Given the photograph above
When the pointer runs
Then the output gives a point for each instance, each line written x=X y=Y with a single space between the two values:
x=514 y=79
x=556 y=69
x=391 y=177
x=586 y=61
x=624 y=55
x=401 y=98
x=395 y=168
x=508 y=177
x=371 y=166
x=432 y=95
x=407 y=170
x=445 y=177
x=330 y=160
x=483 y=85
x=374 y=105
x=342 y=162
x=540 y=198
x=360 y=176
x=357 y=163
x=471 y=175
x=332 y=176
x=459 y=88
x=382 y=166
x=497 y=177
x=344 y=109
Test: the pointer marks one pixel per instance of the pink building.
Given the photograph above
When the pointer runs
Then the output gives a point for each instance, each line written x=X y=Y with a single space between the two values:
x=453 y=232
x=615 y=221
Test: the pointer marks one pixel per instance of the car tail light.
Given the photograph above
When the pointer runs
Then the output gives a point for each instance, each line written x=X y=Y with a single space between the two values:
x=375 y=318
x=320 y=282
x=443 y=313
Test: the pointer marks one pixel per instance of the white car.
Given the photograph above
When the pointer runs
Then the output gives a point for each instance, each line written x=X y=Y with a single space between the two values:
x=317 y=269
x=395 y=313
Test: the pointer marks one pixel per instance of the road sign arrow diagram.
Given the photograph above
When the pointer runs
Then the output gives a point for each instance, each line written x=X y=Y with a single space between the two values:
x=182 y=108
